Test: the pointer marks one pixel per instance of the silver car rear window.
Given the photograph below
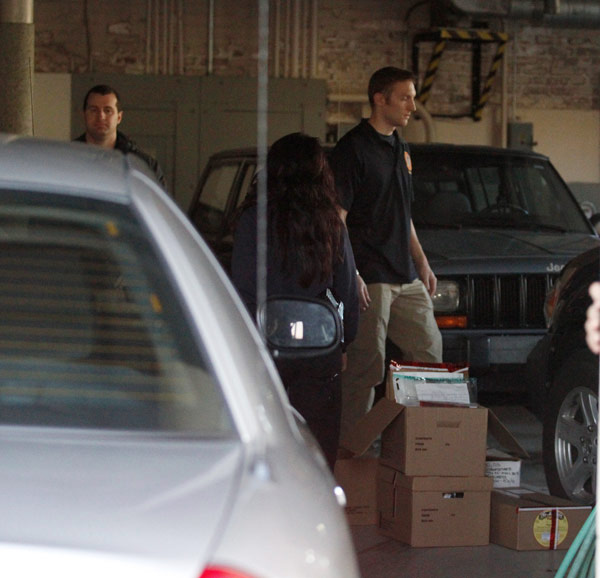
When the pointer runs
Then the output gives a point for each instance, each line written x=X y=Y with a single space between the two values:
x=91 y=332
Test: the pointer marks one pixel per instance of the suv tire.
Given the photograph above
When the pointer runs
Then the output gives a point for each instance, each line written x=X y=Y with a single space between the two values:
x=570 y=429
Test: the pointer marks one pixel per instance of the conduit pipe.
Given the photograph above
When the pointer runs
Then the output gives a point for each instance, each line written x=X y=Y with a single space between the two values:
x=171 y=35
x=287 y=40
x=211 y=37
x=295 y=39
x=421 y=112
x=180 y=46
x=315 y=38
x=148 y=35
x=277 y=39
x=164 y=36
x=428 y=122
x=303 y=69
x=165 y=28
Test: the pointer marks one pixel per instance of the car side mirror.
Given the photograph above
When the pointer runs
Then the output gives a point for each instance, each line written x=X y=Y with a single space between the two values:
x=299 y=327
x=595 y=220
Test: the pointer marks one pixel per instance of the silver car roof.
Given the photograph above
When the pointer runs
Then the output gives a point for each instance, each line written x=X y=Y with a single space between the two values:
x=52 y=165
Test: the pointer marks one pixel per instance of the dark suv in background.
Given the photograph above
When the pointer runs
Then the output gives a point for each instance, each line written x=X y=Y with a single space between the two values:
x=497 y=226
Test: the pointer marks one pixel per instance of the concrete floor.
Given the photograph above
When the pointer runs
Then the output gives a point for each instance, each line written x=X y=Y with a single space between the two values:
x=382 y=557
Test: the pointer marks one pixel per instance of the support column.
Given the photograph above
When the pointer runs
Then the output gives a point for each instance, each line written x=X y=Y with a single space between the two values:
x=17 y=66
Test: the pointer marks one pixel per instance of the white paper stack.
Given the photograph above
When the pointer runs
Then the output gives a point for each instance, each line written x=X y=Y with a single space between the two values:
x=412 y=385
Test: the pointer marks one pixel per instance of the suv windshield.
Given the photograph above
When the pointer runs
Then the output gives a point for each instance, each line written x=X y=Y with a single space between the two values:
x=492 y=191
x=92 y=335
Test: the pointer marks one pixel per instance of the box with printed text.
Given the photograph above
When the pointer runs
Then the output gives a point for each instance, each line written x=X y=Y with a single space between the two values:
x=426 y=511
x=437 y=441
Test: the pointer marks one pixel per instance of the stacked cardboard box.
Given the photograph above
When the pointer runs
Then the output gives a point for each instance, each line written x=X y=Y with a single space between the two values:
x=432 y=490
x=526 y=520
x=357 y=476
x=430 y=487
x=432 y=484
x=434 y=510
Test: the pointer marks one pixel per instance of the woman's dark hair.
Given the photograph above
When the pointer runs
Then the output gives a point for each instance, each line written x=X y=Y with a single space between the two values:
x=302 y=207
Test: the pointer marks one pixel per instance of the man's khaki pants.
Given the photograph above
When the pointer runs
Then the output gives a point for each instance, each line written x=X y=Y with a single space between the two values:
x=404 y=313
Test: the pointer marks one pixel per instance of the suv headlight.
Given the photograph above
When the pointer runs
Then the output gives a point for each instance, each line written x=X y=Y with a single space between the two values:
x=447 y=297
x=446 y=305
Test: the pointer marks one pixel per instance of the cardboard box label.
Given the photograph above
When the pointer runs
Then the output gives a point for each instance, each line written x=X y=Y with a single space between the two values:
x=550 y=528
x=504 y=469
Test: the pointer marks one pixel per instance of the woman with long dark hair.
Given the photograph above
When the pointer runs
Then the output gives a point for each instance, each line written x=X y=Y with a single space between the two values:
x=308 y=252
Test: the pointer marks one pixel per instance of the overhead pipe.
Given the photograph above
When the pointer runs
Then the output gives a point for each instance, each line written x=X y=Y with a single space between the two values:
x=563 y=13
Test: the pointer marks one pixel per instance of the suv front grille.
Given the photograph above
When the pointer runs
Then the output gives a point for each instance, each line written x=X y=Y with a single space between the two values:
x=507 y=301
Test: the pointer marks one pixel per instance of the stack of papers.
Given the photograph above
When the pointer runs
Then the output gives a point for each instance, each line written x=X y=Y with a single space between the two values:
x=436 y=384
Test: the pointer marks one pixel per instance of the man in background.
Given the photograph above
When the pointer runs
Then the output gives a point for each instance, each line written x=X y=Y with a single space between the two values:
x=102 y=114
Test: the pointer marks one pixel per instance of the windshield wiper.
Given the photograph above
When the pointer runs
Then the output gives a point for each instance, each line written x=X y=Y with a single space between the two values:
x=429 y=225
x=542 y=227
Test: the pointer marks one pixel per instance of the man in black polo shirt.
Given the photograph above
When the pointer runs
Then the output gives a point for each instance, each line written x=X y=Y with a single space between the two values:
x=372 y=169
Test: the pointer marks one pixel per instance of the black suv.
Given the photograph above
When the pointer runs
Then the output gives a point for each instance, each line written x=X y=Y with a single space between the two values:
x=497 y=226
x=564 y=379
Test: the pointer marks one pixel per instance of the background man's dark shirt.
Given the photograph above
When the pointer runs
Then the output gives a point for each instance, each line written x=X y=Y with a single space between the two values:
x=126 y=146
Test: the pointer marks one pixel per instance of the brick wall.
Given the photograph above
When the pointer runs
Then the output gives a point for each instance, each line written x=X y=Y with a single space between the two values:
x=556 y=68
x=547 y=68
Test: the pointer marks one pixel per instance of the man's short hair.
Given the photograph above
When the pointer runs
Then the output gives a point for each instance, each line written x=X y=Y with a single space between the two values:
x=383 y=80
x=102 y=89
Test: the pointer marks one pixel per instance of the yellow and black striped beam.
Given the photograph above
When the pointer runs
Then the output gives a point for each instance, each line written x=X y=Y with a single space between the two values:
x=432 y=68
x=489 y=81
x=441 y=37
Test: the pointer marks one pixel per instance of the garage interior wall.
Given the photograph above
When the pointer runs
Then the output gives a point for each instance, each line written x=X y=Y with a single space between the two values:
x=548 y=75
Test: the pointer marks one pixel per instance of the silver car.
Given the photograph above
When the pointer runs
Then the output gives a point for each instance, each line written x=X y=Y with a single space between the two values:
x=144 y=430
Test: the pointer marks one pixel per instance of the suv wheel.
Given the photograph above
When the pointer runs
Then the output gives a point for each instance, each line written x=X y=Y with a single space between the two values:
x=570 y=433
